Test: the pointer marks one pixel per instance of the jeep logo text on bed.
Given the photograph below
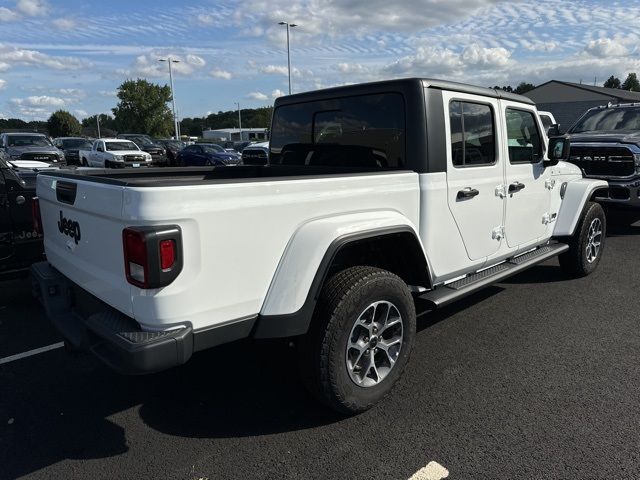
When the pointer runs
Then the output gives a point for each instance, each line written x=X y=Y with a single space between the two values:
x=69 y=227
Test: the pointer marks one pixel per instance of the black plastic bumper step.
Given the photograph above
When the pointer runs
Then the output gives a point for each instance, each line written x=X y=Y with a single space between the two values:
x=446 y=294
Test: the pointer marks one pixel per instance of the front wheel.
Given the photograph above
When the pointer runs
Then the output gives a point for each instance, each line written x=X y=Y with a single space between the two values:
x=360 y=339
x=587 y=244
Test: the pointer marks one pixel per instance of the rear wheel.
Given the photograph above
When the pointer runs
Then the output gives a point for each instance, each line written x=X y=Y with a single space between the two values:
x=360 y=339
x=587 y=244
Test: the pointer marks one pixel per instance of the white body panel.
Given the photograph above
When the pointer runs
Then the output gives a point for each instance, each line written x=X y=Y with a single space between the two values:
x=234 y=236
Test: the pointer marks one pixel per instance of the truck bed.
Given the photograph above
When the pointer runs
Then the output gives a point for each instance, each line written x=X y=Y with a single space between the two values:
x=177 y=176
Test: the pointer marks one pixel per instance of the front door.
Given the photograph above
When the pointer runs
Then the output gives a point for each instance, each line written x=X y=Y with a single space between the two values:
x=475 y=171
x=527 y=180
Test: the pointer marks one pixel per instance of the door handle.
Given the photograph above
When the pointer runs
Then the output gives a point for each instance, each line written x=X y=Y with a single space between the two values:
x=516 y=187
x=467 y=193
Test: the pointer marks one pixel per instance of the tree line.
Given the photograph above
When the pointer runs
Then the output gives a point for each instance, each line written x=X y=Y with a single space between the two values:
x=143 y=107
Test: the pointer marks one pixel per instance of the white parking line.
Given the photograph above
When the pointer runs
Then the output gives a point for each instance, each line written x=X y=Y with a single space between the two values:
x=433 y=471
x=36 y=351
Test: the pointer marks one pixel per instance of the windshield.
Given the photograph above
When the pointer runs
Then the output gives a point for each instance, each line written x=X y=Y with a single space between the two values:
x=123 y=145
x=173 y=143
x=213 y=149
x=28 y=141
x=79 y=143
x=608 y=120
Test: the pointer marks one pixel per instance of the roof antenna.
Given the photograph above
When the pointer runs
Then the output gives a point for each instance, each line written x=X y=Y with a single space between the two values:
x=595 y=79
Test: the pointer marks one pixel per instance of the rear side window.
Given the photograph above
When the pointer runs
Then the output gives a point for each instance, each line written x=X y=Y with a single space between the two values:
x=523 y=136
x=365 y=132
x=473 y=141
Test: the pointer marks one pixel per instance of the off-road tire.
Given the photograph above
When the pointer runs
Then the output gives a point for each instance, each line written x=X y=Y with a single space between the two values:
x=322 y=351
x=574 y=261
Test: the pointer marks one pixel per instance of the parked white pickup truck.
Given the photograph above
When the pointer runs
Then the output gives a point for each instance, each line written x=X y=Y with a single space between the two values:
x=114 y=153
x=380 y=201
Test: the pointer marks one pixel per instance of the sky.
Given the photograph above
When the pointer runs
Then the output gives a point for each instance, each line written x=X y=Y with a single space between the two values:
x=73 y=54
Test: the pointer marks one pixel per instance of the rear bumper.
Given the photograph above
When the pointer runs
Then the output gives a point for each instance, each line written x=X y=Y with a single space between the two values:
x=88 y=324
x=114 y=338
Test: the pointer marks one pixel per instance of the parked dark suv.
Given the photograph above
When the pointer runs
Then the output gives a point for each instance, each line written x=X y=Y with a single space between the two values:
x=172 y=147
x=146 y=144
x=23 y=148
x=605 y=144
x=20 y=243
x=71 y=146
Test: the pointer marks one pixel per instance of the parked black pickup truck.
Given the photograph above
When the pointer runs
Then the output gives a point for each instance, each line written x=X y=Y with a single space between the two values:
x=605 y=144
x=20 y=244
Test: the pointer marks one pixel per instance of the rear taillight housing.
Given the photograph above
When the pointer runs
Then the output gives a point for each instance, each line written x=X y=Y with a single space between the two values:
x=152 y=255
x=36 y=216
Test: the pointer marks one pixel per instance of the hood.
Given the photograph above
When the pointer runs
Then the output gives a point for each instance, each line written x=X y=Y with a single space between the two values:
x=26 y=149
x=127 y=152
x=621 y=136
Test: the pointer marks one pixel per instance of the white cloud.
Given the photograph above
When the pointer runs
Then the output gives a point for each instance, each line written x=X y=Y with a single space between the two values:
x=218 y=73
x=64 y=23
x=346 y=16
x=606 y=47
x=149 y=66
x=32 y=8
x=39 y=101
x=353 y=68
x=205 y=19
x=4 y=66
x=108 y=93
x=81 y=113
x=3 y=83
x=257 y=96
x=277 y=93
x=7 y=15
x=13 y=55
x=274 y=69
x=195 y=60
x=475 y=55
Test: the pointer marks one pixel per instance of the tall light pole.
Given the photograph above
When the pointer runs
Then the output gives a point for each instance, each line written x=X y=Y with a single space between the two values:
x=98 y=124
x=289 y=25
x=170 y=60
x=239 y=120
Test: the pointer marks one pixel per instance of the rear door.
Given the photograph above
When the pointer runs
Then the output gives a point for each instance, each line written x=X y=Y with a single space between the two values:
x=475 y=171
x=528 y=182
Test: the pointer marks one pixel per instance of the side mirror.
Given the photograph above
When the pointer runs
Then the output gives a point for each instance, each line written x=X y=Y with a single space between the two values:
x=553 y=130
x=558 y=150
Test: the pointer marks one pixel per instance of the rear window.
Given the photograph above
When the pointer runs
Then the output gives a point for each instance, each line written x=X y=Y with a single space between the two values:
x=366 y=131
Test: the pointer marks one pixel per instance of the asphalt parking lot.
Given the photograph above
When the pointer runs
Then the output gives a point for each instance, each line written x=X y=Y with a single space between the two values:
x=536 y=377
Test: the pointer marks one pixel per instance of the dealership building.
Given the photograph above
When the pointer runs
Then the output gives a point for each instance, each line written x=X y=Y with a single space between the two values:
x=236 y=134
x=568 y=101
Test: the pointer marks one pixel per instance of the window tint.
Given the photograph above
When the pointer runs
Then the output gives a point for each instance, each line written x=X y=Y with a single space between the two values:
x=523 y=137
x=362 y=132
x=472 y=134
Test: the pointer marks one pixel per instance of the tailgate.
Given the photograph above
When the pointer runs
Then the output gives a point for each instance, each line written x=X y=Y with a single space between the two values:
x=83 y=235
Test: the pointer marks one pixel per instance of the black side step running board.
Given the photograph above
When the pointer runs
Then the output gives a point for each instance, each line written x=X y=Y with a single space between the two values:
x=446 y=294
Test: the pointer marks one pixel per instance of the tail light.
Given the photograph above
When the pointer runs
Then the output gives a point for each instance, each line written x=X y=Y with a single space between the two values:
x=36 y=215
x=152 y=255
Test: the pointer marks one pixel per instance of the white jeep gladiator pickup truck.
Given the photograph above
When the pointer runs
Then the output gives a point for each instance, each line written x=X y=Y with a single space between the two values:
x=379 y=202
x=114 y=153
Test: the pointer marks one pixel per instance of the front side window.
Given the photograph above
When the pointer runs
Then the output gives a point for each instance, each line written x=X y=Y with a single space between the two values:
x=473 y=141
x=523 y=136
x=365 y=132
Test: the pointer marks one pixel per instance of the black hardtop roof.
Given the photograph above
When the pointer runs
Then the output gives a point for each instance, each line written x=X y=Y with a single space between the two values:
x=402 y=84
